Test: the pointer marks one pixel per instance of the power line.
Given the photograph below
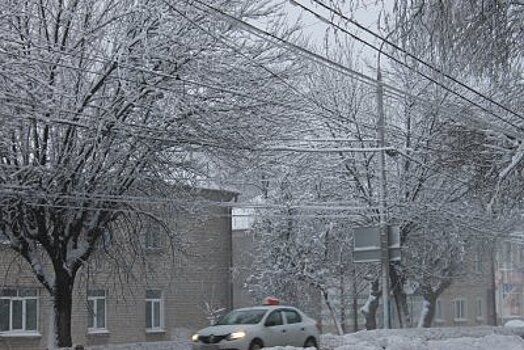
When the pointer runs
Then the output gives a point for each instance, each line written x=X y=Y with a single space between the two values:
x=120 y=199
x=395 y=93
x=308 y=54
x=437 y=70
x=419 y=72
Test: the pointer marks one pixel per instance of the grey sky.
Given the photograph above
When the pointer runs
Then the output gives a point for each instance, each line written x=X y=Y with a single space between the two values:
x=367 y=15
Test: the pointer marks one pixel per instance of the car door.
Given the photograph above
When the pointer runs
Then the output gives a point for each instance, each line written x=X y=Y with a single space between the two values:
x=295 y=329
x=275 y=331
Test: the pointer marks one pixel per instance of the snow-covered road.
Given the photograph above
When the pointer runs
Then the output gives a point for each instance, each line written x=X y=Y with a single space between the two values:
x=457 y=338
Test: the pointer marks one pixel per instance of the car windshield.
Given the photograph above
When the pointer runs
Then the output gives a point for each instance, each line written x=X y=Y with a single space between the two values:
x=243 y=317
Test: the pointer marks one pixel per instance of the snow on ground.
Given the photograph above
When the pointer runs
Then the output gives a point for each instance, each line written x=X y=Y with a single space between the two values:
x=457 y=338
x=489 y=342
x=514 y=323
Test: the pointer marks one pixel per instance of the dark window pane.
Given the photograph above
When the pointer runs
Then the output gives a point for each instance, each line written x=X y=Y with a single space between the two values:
x=91 y=315
x=292 y=316
x=156 y=313
x=4 y=315
x=101 y=313
x=8 y=292
x=149 y=316
x=274 y=319
x=96 y=293
x=17 y=314
x=31 y=314
x=242 y=317
x=28 y=292
x=153 y=294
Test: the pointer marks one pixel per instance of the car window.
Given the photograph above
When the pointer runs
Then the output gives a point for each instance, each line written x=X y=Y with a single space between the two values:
x=274 y=319
x=292 y=316
x=242 y=317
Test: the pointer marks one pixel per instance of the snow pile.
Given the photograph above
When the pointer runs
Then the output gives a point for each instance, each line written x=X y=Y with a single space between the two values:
x=489 y=342
x=514 y=323
x=458 y=338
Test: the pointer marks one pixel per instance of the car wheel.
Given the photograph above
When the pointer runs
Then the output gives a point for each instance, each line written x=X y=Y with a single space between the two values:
x=310 y=343
x=256 y=345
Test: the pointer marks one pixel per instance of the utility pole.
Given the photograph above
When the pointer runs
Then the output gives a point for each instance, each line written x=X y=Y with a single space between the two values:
x=384 y=244
x=492 y=300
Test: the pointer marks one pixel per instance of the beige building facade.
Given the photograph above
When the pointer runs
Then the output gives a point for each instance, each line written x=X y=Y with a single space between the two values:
x=165 y=297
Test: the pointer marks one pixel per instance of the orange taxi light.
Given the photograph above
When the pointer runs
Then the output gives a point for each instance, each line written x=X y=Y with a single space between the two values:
x=271 y=301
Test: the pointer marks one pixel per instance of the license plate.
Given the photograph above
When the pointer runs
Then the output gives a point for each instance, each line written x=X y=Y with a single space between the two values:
x=209 y=347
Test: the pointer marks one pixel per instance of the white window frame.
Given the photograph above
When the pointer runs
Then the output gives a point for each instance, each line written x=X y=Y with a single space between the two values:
x=479 y=309
x=154 y=301
x=92 y=313
x=457 y=317
x=24 y=300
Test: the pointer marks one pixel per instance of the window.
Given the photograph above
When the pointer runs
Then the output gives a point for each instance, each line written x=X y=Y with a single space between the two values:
x=18 y=310
x=478 y=261
x=105 y=240
x=3 y=238
x=479 y=313
x=154 y=310
x=96 y=302
x=152 y=238
x=459 y=309
x=507 y=254
x=274 y=319
x=292 y=316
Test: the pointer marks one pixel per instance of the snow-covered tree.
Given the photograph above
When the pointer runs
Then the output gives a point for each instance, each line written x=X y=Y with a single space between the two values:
x=109 y=103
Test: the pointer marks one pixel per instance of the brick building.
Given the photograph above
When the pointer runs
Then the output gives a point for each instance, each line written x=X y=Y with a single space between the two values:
x=161 y=297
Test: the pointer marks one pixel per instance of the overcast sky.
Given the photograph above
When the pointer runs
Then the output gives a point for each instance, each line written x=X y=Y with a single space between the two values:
x=315 y=29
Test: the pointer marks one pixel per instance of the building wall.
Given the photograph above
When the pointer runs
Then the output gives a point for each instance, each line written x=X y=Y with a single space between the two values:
x=192 y=283
x=243 y=256
x=510 y=280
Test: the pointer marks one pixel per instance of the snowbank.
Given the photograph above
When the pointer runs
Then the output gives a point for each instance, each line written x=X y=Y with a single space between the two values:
x=457 y=338
x=489 y=342
x=514 y=323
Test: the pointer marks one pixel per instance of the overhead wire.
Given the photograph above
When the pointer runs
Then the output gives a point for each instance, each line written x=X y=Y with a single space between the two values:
x=412 y=56
x=391 y=91
x=310 y=55
x=424 y=75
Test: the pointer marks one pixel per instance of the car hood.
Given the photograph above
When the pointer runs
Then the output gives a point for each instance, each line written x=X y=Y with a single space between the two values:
x=225 y=329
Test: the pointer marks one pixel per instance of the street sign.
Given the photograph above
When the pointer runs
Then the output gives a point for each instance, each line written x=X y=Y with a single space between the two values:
x=367 y=244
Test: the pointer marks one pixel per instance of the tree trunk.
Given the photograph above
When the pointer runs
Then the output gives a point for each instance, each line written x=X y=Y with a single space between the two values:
x=332 y=312
x=355 y=305
x=492 y=298
x=401 y=303
x=343 y=301
x=62 y=306
x=428 y=312
x=369 y=310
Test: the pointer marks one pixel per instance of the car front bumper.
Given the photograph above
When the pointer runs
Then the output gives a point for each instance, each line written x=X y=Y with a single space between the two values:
x=240 y=344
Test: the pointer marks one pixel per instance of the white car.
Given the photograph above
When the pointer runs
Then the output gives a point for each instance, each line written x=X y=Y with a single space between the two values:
x=256 y=327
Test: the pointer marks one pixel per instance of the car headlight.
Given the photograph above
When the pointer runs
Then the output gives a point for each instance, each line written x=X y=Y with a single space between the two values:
x=194 y=337
x=236 y=335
